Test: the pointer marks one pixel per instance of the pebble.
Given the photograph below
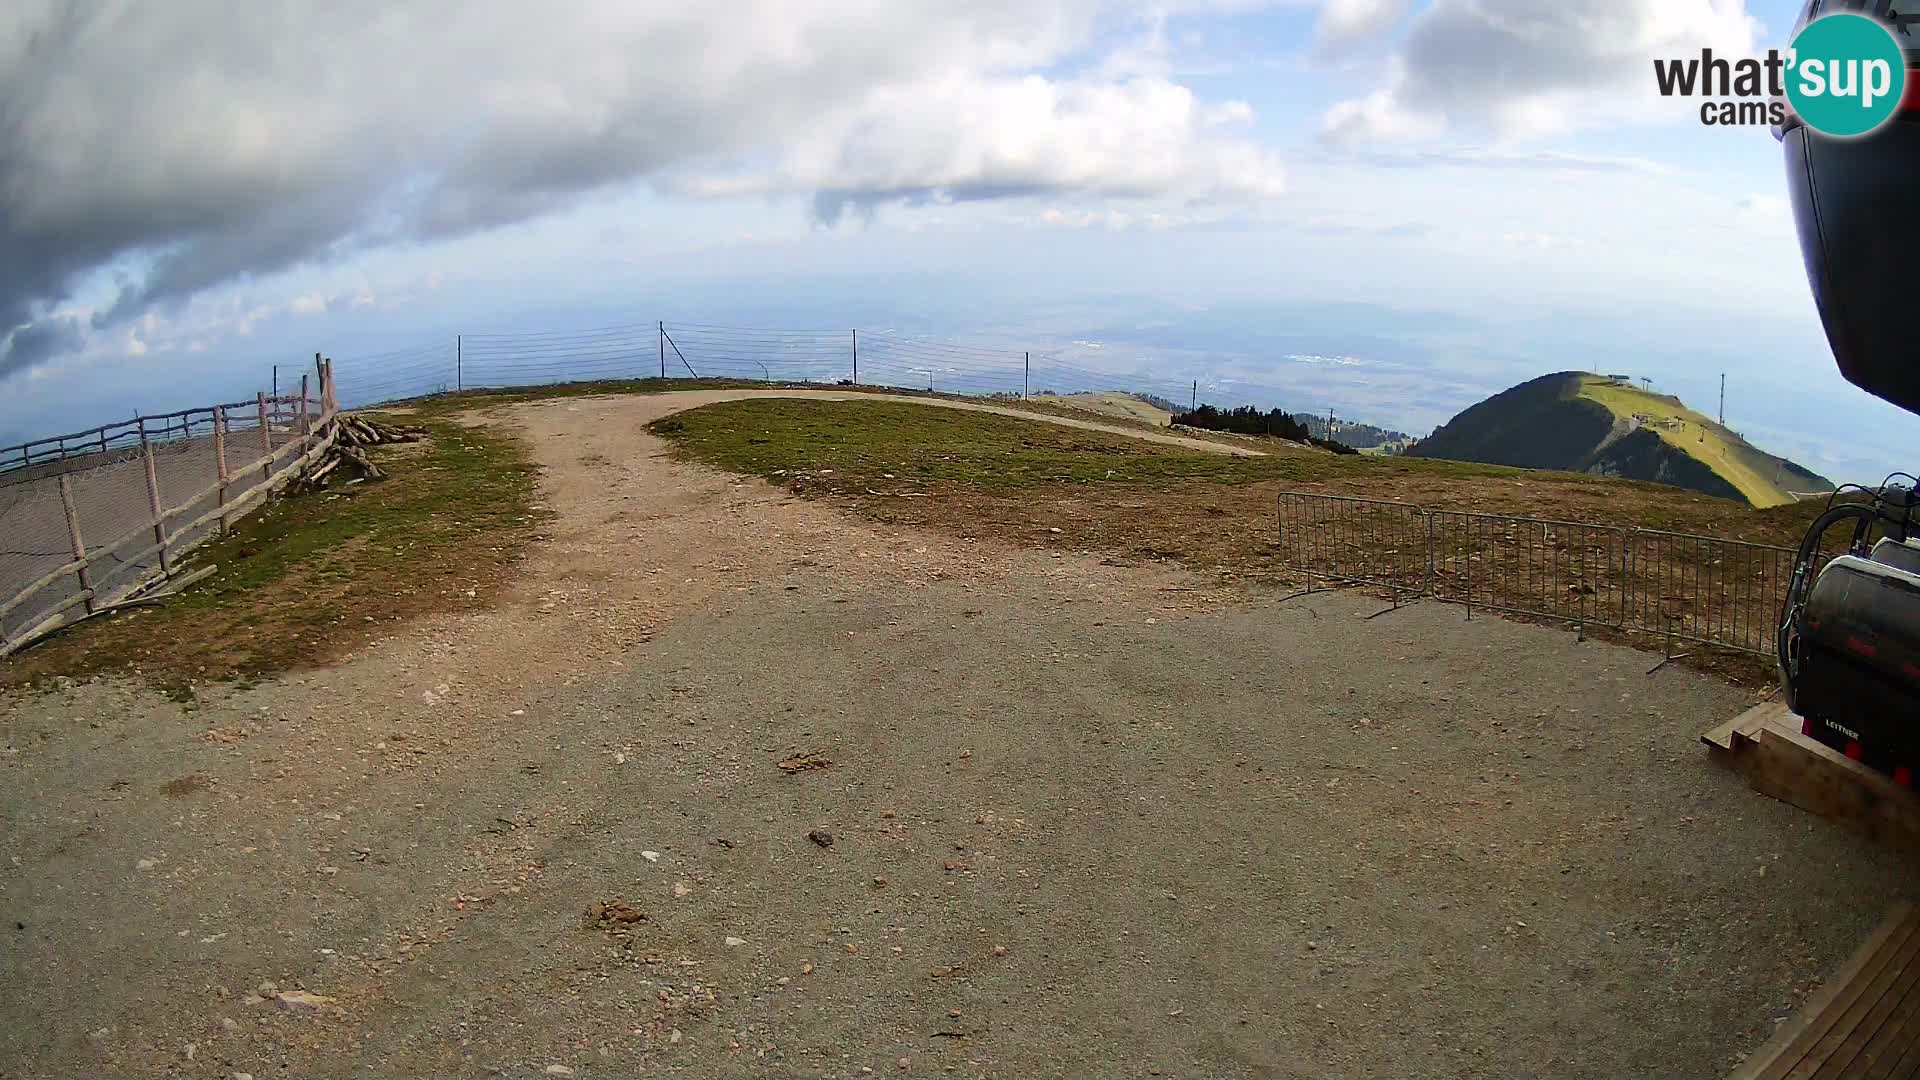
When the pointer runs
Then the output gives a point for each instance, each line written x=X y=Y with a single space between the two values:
x=229 y=1023
x=559 y=1070
x=301 y=1000
x=242 y=1076
x=904 y=1063
x=821 y=837
x=681 y=888
x=734 y=941
x=650 y=856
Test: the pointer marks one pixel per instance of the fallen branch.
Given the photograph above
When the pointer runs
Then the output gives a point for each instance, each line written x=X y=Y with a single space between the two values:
x=360 y=431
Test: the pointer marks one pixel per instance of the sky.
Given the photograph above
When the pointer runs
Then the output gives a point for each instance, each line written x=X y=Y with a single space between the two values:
x=1386 y=207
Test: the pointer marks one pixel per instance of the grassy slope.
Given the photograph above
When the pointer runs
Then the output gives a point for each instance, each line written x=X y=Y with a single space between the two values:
x=1751 y=471
x=865 y=450
x=1124 y=406
x=887 y=445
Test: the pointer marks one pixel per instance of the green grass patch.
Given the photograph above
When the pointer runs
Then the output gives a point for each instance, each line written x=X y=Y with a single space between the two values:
x=852 y=448
x=884 y=444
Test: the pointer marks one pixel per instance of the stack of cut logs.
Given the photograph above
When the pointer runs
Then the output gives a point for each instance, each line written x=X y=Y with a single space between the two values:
x=355 y=432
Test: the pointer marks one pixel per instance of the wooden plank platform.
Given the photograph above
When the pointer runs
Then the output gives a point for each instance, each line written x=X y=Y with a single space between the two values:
x=1862 y=1023
x=1765 y=745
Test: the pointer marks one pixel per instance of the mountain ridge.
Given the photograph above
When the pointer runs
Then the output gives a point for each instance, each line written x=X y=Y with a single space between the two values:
x=1579 y=421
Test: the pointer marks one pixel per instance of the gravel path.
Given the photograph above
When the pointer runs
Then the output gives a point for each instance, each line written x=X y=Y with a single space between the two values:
x=1084 y=820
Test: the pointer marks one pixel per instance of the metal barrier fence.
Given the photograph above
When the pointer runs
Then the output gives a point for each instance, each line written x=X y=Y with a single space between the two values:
x=1675 y=585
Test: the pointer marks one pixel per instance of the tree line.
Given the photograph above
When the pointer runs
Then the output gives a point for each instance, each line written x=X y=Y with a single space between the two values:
x=1247 y=420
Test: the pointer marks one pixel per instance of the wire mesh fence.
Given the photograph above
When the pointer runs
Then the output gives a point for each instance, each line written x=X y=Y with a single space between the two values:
x=91 y=527
x=1673 y=585
x=686 y=350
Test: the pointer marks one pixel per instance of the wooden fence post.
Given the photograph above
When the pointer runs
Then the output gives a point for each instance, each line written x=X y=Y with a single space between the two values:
x=306 y=418
x=220 y=457
x=266 y=436
x=153 y=503
x=73 y=535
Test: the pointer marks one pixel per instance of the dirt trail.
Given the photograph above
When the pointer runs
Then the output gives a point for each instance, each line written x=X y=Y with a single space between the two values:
x=1082 y=816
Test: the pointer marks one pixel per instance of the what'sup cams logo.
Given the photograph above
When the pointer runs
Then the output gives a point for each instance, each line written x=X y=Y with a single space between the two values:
x=1844 y=76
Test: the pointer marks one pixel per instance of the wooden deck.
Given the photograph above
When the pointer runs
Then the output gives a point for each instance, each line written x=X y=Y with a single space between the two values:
x=1864 y=1022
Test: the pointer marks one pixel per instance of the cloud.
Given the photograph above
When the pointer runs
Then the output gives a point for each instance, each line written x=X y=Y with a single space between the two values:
x=167 y=149
x=1508 y=159
x=31 y=343
x=1344 y=23
x=1522 y=67
x=1764 y=215
x=1020 y=137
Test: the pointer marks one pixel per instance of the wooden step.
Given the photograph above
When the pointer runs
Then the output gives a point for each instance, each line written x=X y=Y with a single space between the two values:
x=1765 y=745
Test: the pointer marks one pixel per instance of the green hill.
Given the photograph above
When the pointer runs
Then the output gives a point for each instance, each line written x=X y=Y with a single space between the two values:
x=1581 y=422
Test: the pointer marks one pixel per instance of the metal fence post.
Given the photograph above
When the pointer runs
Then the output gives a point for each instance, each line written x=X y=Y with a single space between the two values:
x=73 y=537
x=1026 y=377
x=1433 y=583
x=459 y=363
x=1468 y=524
x=856 y=357
x=306 y=418
x=153 y=504
x=1626 y=577
x=662 y=327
